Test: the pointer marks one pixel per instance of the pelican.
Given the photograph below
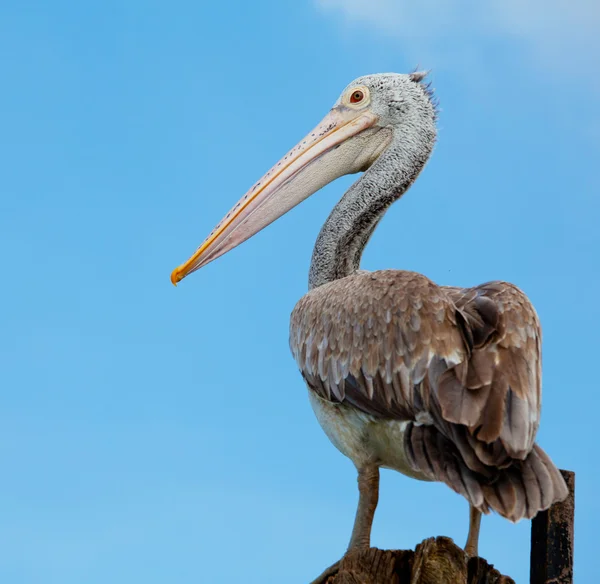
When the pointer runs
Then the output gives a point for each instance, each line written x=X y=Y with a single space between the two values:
x=439 y=383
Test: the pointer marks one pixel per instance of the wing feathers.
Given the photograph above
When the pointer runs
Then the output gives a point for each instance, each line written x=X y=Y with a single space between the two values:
x=397 y=346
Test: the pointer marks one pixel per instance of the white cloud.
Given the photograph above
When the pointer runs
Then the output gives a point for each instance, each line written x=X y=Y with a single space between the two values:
x=560 y=35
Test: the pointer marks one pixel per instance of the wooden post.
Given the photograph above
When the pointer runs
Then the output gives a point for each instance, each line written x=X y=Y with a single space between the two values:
x=552 y=540
x=439 y=561
x=436 y=560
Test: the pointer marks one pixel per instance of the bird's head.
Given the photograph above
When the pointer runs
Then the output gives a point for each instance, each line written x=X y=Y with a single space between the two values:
x=373 y=112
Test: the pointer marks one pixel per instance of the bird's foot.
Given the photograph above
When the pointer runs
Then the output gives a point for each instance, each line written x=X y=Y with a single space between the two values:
x=331 y=571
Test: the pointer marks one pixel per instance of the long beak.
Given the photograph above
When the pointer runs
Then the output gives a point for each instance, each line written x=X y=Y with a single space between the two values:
x=286 y=184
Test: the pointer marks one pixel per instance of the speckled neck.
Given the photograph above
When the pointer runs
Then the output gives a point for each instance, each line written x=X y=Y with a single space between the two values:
x=342 y=240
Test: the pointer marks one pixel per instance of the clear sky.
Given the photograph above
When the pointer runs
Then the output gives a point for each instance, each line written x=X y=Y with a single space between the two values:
x=153 y=434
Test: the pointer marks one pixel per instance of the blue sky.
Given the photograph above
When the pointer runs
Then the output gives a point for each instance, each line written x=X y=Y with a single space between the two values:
x=156 y=434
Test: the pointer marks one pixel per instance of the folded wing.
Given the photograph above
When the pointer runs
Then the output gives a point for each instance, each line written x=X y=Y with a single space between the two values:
x=463 y=364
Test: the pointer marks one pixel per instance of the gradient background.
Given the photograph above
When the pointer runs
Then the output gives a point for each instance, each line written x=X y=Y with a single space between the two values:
x=158 y=435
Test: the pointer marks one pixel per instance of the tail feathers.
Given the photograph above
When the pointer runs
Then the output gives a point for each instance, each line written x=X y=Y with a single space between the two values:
x=527 y=487
x=431 y=453
x=518 y=491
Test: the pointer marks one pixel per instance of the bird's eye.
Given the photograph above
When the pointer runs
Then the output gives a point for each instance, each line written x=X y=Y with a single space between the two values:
x=357 y=96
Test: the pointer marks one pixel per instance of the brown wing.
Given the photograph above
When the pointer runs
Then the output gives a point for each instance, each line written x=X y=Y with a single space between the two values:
x=372 y=339
x=369 y=339
x=463 y=362
x=497 y=391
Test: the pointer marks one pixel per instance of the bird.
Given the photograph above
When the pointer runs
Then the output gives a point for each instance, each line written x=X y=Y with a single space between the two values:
x=439 y=383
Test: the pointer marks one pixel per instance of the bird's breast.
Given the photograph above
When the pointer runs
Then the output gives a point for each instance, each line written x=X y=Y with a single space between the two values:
x=364 y=438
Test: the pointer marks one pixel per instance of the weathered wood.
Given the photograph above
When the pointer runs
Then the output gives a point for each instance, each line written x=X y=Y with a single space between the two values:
x=552 y=540
x=435 y=561
x=439 y=561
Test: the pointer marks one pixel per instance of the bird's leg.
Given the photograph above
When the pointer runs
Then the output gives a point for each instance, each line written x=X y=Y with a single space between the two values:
x=368 y=495
x=471 y=547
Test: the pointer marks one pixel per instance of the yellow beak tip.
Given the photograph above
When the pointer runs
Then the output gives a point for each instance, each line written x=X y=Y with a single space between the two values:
x=176 y=276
